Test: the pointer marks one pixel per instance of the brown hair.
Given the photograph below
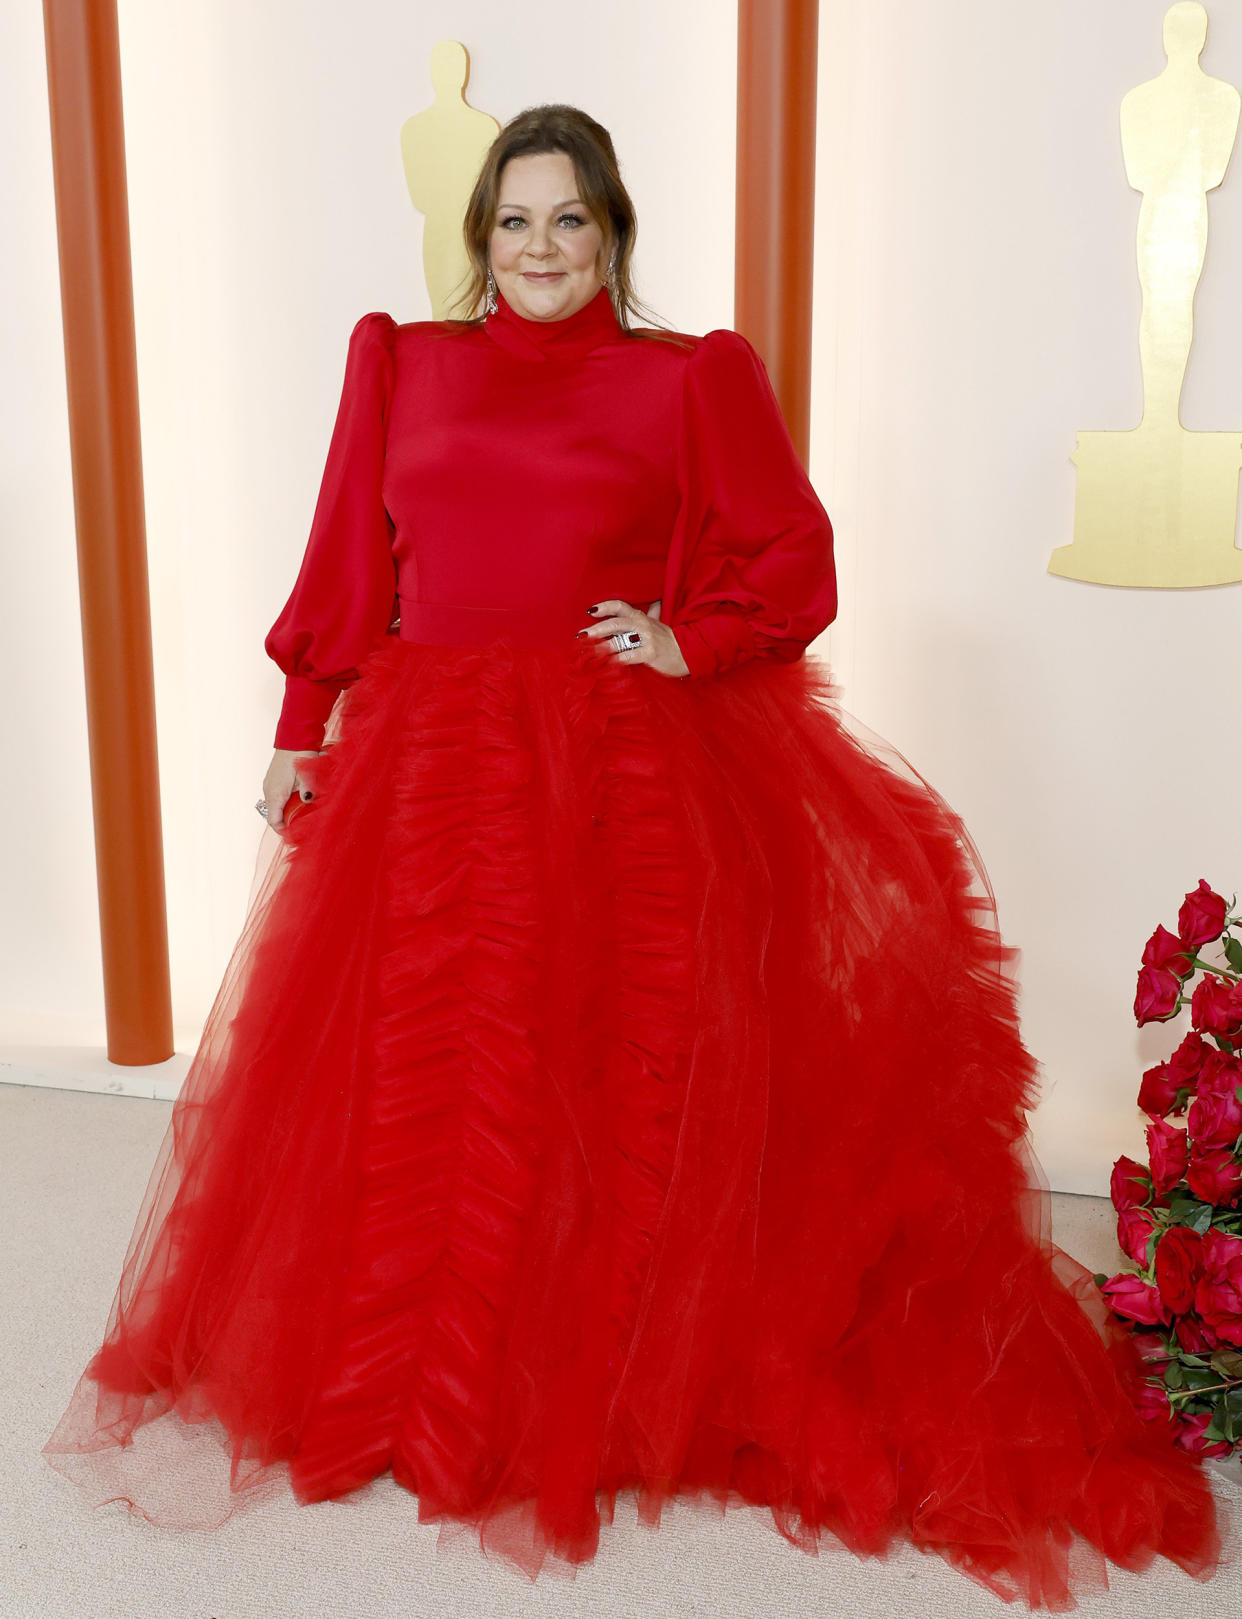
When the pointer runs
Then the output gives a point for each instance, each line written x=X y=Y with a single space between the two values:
x=556 y=127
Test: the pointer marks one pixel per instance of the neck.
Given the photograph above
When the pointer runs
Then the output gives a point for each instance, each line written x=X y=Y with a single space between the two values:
x=569 y=336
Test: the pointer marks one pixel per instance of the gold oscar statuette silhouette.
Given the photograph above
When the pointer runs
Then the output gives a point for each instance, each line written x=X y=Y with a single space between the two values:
x=1157 y=505
x=442 y=150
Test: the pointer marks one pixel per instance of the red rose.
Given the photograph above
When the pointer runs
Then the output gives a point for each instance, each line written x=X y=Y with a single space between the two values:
x=1160 y=1085
x=1215 y=1117
x=1216 y=1006
x=1152 y=1403
x=1202 y=916
x=1194 y=1337
x=1215 y=1175
x=1190 y=1426
x=1153 y=1349
x=1130 y=1185
x=1179 y=1265
x=1135 y=1299
x=1167 y=1148
x=1218 y=1295
x=1166 y=950
x=1134 y=1227
x=1156 y=996
x=1158 y=1092
x=1188 y=1059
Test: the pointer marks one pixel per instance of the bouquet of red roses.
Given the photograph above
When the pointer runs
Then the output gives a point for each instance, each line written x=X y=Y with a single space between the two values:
x=1178 y=1218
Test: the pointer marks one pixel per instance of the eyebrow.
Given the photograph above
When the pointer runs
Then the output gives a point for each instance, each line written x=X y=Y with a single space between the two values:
x=564 y=204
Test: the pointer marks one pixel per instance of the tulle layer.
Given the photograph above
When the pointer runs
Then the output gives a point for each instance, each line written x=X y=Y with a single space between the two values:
x=617 y=1086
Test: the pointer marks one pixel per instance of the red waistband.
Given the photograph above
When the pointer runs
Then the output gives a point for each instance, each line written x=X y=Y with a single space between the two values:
x=542 y=624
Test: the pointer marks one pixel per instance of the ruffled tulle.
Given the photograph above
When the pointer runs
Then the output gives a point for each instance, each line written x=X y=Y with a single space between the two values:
x=617 y=1086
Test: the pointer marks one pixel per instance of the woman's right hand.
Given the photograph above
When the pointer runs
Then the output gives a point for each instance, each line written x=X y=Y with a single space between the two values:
x=282 y=778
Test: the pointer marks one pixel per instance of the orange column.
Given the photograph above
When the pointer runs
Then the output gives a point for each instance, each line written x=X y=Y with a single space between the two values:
x=92 y=222
x=774 y=247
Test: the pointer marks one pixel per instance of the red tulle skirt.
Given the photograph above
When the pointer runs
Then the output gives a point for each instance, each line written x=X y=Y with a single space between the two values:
x=617 y=1086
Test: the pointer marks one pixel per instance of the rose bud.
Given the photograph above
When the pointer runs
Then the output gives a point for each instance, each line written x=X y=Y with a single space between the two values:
x=1188 y=1059
x=1179 y=1265
x=1156 y=995
x=1158 y=1092
x=1134 y=1227
x=1167 y=1148
x=1202 y=916
x=1216 y=1006
x=1166 y=950
x=1215 y=1176
x=1130 y=1186
x=1215 y=1116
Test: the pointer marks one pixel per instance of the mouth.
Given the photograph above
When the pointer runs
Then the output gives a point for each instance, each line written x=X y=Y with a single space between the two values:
x=542 y=275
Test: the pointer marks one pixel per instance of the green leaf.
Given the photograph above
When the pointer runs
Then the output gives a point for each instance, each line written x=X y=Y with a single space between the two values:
x=1183 y=1205
x=1233 y=952
x=1200 y=1377
x=1201 y=1218
x=1174 y=1377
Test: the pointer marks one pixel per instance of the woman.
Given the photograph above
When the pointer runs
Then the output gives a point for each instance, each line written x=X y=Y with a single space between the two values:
x=617 y=1084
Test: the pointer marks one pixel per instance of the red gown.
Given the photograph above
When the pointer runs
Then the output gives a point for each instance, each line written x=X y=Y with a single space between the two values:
x=617 y=1084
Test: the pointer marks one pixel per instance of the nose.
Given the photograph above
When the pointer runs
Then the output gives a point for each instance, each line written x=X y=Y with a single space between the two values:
x=541 y=244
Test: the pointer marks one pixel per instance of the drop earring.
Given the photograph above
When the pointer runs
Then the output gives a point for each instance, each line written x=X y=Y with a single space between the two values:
x=490 y=305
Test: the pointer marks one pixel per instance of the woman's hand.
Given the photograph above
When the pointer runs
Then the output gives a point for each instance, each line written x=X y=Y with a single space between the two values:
x=659 y=645
x=281 y=779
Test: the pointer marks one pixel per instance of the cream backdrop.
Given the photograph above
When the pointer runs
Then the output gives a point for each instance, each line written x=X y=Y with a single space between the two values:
x=977 y=303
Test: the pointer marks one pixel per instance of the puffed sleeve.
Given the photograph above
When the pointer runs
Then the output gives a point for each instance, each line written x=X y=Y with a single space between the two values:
x=751 y=570
x=343 y=599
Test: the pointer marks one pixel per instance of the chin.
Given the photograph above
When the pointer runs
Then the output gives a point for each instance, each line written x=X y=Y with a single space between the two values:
x=545 y=298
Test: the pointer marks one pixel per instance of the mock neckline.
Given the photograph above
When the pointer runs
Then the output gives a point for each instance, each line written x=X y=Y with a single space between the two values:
x=572 y=335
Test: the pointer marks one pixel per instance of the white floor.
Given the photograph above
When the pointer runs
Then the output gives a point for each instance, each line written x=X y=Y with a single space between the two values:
x=73 y=1169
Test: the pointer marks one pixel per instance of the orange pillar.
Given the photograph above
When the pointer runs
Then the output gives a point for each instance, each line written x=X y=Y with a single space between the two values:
x=775 y=234
x=96 y=289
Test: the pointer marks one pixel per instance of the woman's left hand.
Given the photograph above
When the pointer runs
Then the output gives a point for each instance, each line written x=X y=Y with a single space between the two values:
x=658 y=647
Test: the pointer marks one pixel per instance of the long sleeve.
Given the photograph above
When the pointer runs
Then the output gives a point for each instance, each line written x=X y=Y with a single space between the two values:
x=343 y=599
x=753 y=573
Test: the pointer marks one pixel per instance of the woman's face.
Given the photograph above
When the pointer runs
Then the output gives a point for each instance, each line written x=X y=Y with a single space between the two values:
x=545 y=248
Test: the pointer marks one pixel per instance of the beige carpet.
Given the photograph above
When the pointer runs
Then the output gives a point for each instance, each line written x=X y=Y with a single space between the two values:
x=72 y=1172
